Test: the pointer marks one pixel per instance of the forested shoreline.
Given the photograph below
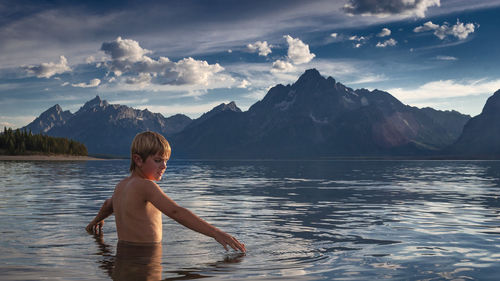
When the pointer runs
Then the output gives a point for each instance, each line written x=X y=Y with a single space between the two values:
x=22 y=142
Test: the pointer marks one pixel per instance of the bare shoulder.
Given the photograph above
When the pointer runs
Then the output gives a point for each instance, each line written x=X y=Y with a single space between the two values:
x=143 y=185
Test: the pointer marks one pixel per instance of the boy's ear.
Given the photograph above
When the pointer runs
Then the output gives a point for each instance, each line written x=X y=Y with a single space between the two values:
x=137 y=159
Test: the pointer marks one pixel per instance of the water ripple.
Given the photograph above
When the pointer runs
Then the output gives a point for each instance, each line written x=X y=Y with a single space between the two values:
x=345 y=220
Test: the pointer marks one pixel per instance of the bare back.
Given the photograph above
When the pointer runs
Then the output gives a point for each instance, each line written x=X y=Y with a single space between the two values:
x=137 y=220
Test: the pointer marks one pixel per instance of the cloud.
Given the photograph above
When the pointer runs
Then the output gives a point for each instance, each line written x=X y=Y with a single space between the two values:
x=446 y=89
x=193 y=110
x=282 y=66
x=128 y=58
x=389 y=42
x=449 y=58
x=15 y=121
x=262 y=47
x=49 y=69
x=357 y=38
x=6 y=124
x=244 y=84
x=459 y=30
x=360 y=39
x=191 y=71
x=384 y=32
x=384 y=8
x=143 y=79
x=298 y=51
x=93 y=83
x=124 y=50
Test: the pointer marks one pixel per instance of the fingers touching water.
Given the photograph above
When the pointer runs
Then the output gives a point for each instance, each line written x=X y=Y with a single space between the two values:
x=95 y=228
x=227 y=240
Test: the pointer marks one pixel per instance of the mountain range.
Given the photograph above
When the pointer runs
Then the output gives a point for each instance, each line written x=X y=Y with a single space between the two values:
x=315 y=117
x=105 y=128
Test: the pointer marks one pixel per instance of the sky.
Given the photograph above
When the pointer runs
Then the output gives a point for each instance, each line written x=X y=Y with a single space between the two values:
x=189 y=56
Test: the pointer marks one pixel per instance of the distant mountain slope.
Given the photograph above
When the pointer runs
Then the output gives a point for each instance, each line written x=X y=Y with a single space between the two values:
x=319 y=117
x=315 y=117
x=106 y=128
x=481 y=135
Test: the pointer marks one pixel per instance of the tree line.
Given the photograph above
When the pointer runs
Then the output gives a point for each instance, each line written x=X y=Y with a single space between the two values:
x=15 y=142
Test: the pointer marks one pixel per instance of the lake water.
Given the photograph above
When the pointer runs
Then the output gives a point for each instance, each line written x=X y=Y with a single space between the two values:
x=300 y=220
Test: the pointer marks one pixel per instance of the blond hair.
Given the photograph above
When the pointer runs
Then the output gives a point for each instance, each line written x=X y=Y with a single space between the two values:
x=146 y=144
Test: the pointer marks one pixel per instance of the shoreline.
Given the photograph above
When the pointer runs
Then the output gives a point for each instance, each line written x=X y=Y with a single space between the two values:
x=48 y=158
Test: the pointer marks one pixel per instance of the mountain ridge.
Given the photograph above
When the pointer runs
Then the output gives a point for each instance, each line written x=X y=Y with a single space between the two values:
x=314 y=117
x=109 y=128
x=319 y=117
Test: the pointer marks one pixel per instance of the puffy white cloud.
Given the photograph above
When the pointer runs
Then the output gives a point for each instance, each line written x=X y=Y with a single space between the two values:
x=191 y=71
x=383 y=8
x=459 y=30
x=125 y=50
x=384 y=32
x=49 y=69
x=462 y=31
x=261 y=47
x=93 y=83
x=128 y=58
x=282 y=66
x=298 y=51
x=389 y=42
x=426 y=27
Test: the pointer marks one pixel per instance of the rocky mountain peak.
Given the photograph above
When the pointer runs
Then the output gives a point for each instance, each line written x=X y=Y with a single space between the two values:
x=50 y=118
x=308 y=77
x=55 y=110
x=94 y=103
x=225 y=107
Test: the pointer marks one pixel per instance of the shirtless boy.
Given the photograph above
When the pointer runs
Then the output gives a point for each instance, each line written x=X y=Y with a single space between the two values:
x=138 y=201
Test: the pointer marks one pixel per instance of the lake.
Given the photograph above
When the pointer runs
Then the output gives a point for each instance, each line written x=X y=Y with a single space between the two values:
x=300 y=220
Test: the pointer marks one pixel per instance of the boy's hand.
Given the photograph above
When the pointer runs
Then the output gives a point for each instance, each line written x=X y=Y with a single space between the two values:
x=95 y=228
x=225 y=239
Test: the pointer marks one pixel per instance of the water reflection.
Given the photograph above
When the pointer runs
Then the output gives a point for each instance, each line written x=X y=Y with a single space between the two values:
x=137 y=262
x=347 y=220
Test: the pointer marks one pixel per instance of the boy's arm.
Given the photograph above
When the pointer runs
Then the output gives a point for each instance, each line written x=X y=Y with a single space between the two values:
x=185 y=217
x=95 y=226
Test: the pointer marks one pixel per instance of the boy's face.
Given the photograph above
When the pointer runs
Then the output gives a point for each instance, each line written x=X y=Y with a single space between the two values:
x=154 y=167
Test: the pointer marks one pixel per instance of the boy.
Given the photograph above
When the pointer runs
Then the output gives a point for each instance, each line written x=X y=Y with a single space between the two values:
x=138 y=201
